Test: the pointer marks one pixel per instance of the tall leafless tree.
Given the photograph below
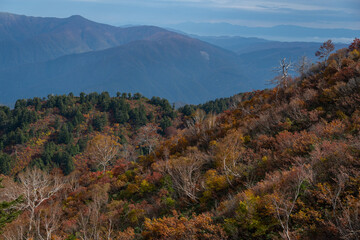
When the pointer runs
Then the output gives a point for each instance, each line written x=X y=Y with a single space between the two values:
x=185 y=172
x=303 y=65
x=103 y=149
x=281 y=80
x=285 y=197
x=325 y=49
x=147 y=137
x=36 y=187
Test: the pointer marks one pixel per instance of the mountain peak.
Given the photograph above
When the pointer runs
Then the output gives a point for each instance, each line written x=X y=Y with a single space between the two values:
x=77 y=17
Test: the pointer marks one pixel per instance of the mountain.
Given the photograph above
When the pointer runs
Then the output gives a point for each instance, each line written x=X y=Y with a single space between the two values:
x=40 y=56
x=242 y=45
x=279 y=33
x=52 y=55
x=260 y=56
x=26 y=39
x=174 y=66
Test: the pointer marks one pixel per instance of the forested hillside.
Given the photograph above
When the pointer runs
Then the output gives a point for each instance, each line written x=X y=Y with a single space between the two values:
x=49 y=133
x=281 y=163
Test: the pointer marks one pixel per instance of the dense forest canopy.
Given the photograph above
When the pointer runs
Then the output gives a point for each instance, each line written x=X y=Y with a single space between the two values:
x=281 y=163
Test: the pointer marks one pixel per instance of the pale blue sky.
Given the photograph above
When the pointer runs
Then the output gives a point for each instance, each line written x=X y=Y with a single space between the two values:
x=310 y=13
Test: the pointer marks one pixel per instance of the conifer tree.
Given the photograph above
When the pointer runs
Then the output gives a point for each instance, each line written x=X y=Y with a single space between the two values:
x=8 y=212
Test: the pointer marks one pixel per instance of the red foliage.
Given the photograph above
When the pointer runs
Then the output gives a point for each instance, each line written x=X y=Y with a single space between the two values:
x=355 y=44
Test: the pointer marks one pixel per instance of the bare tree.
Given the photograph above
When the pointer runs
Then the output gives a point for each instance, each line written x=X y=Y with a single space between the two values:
x=103 y=149
x=36 y=187
x=48 y=221
x=345 y=216
x=285 y=197
x=281 y=80
x=185 y=172
x=230 y=155
x=235 y=100
x=129 y=152
x=325 y=49
x=303 y=65
x=89 y=219
x=15 y=231
x=147 y=137
x=349 y=220
x=237 y=162
x=193 y=124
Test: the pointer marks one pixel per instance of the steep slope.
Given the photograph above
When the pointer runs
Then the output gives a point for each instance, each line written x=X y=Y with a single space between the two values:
x=174 y=66
x=283 y=164
x=26 y=39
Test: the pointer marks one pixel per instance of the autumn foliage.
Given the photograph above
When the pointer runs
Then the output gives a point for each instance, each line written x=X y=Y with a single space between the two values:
x=280 y=163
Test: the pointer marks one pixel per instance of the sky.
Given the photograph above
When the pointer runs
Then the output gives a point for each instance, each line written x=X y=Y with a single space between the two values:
x=264 y=13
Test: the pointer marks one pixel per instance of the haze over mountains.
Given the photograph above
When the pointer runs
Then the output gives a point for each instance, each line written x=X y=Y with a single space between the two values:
x=260 y=56
x=32 y=39
x=41 y=56
x=279 y=33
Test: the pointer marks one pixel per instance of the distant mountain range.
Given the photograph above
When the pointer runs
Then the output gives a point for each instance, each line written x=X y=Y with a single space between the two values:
x=260 y=56
x=32 y=39
x=278 y=33
x=41 y=56
x=174 y=67
x=74 y=55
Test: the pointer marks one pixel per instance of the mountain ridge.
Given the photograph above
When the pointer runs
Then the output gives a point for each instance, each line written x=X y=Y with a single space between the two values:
x=278 y=33
x=144 y=59
x=159 y=59
x=34 y=39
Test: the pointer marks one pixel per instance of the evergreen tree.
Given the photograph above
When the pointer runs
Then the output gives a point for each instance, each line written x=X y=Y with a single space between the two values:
x=8 y=212
x=65 y=162
x=65 y=135
x=99 y=122
x=57 y=123
x=165 y=123
x=5 y=163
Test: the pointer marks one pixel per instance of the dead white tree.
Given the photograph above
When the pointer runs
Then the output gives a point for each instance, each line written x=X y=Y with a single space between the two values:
x=129 y=152
x=89 y=218
x=194 y=123
x=235 y=100
x=303 y=65
x=230 y=155
x=103 y=149
x=147 y=137
x=35 y=187
x=282 y=79
x=48 y=221
x=237 y=161
x=345 y=215
x=284 y=197
x=185 y=172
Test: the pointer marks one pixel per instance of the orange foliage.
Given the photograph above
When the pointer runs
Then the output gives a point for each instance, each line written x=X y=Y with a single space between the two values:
x=179 y=228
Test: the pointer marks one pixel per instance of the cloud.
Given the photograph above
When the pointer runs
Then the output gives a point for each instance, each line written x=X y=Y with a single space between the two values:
x=268 y=5
x=326 y=13
x=346 y=6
